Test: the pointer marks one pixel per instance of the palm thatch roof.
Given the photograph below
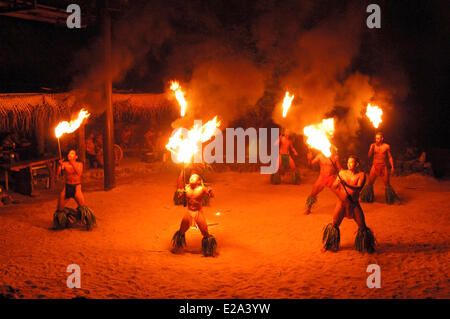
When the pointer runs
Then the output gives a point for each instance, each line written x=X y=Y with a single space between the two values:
x=138 y=106
x=24 y=111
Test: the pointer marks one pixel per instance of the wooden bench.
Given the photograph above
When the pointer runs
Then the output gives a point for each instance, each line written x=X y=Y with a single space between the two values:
x=26 y=171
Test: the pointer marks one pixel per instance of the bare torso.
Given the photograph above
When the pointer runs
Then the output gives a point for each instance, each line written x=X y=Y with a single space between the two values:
x=326 y=167
x=348 y=198
x=194 y=197
x=352 y=179
x=380 y=153
x=72 y=175
x=285 y=144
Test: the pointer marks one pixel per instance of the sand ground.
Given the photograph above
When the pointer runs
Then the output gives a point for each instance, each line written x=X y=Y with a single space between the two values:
x=267 y=247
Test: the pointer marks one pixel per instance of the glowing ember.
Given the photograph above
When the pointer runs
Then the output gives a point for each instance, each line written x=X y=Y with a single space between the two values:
x=287 y=103
x=318 y=136
x=179 y=95
x=186 y=148
x=66 y=127
x=218 y=214
x=374 y=114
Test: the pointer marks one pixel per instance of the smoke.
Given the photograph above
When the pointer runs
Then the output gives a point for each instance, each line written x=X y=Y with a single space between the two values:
x=325 y=81
x=226 y=87
x=318 y=79
x=244 y=55
x=140 y=32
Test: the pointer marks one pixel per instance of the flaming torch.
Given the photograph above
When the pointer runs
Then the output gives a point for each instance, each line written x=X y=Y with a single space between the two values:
x=318 y=135
x=374 y=114
x=287 y=103
x=318 y=138
x=66 y=127
x=186 y=147
x=179 y=95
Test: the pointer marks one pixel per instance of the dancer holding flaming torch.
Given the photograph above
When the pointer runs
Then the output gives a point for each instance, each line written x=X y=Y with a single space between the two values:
x=326 y=178
x=195 y=192
x=381 y=153
x=318 y=138
x=285 y=161
x=64 y=216
x=347 y=187
x=185 y=148
x=73 y=170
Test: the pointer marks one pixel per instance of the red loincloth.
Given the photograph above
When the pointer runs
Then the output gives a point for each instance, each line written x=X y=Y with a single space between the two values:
x=349 y=210
x=379 y=169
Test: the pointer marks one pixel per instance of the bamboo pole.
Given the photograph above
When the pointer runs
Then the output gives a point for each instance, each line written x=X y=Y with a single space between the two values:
x=59 y=148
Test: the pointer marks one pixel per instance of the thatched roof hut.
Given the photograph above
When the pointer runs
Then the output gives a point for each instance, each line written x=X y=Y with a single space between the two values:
x=24 y=112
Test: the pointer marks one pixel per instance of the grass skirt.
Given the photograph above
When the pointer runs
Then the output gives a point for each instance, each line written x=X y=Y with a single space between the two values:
x=209 y=245
x=65 y=218
x=390 y=195
x=86 y=217
x=295 y=178
x=367 y=195
x=178 y=240
x=68 y=217
x=365 y=241
x=275 y=179
x=331 y=238
x=310 y=201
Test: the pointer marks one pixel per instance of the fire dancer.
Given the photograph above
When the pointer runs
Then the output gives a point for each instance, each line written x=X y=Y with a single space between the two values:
x=347 y=187
x=65 y=216
x=285 y=159
x=380 y=151
x=194 y=216
x=326 y=177
x=179 y=198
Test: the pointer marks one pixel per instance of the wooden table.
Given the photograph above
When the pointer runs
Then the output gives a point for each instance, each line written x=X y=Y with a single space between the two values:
x=25 y=171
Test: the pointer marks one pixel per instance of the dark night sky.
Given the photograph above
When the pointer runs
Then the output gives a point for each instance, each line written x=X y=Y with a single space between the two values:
x=413 y=40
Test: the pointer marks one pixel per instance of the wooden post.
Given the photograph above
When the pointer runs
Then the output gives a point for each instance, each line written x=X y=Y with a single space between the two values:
x=108 y=134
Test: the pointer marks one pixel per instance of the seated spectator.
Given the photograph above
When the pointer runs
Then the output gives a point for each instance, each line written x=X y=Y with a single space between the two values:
x=91 y=152
x=150 y=140
x=125 y=136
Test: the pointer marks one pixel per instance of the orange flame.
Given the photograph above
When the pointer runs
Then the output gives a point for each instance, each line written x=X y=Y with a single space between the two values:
x=287 y=103
x=186 y=148
x=374 y=114
x=318 y=135
x=66 y=127
x=179 y=95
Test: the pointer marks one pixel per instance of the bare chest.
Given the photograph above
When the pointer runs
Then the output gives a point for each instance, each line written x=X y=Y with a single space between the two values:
x=194 y=193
